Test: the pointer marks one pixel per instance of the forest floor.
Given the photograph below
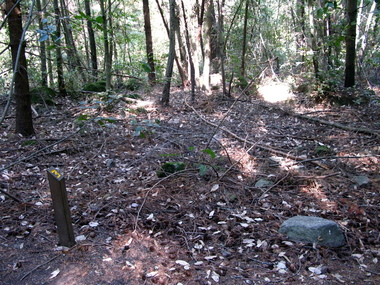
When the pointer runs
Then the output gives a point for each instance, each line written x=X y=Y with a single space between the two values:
x=249 y=166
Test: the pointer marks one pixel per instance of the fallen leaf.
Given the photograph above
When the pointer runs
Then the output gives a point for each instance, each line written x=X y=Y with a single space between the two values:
x=54 y=273
x=152 y=274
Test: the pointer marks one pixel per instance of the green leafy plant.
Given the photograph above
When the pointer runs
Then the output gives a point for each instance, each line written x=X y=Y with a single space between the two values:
x=144 y=128
x=170 y=167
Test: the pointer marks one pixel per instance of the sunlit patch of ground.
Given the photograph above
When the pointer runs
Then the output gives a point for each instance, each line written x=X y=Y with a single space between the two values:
x=275 y=92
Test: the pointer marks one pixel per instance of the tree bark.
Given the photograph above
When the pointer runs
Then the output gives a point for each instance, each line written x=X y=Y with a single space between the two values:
x=351 y=10
x=169 y=67
x=24 y=120
x=149 y=43
x=91 y=38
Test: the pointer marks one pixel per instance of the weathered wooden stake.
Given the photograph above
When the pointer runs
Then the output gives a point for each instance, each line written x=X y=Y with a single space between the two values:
x=61 y=207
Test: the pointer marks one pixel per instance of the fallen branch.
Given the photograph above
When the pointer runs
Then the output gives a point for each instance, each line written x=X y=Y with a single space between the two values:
x=338 y=125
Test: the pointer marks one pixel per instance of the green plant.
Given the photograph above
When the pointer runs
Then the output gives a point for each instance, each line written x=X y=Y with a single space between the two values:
x=144 y=128
x=170 y=167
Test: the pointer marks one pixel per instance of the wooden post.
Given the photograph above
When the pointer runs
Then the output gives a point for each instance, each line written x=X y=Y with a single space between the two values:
x=61 y=207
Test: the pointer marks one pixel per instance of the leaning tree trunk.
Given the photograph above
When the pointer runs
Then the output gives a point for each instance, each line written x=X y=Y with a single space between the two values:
x=149 y=43
x=24 y=120
x=350 y=43
x=169 y=67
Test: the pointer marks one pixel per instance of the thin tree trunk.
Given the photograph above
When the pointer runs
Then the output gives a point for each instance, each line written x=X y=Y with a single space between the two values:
x=71 y=50
x=192 y=71
x=61 y=82
x=182 y=50
x=91 y=38
x=42 y=48
x=24 y=121
x=179 y=67
x=351 y=10
x=149 y=43
x=169 y=67
x=222 y=45
x=107 y=62
x=207 y=47
x=242 y=68
x=313 y=39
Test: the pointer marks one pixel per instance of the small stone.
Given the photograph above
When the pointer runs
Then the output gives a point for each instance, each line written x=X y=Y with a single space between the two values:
x=111 y=163
x=313 y=230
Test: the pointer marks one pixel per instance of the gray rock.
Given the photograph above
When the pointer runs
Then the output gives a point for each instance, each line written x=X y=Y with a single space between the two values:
x=313 y=230
x=361 y=180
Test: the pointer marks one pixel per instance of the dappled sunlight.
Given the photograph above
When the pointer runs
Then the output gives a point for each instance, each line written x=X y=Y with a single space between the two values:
x=276 y=92
x=315 y=190
x=241 y=157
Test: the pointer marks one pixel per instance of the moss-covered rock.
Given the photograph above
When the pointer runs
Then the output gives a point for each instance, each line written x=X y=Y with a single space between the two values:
x=42 y=95
x=98 y=86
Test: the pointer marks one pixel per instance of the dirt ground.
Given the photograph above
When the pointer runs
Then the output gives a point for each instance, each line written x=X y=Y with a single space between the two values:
x=249 y=166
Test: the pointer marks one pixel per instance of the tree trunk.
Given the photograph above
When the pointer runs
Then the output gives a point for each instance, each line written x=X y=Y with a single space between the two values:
x=192 y=70
x=149 y=43
x=71 y=50
x=313 y=39
x=242 y=67
x=61 y=82
x=207 y=47
x=179 y=67
x=169 y=67
x=222 y=46
x=107 y=58
x=24 y=121
x=44 y=73
x=182 y=50
x=91 y=38
x=351 y=11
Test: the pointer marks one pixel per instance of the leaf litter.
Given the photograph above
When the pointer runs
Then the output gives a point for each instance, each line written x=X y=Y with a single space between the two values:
x=214 y=222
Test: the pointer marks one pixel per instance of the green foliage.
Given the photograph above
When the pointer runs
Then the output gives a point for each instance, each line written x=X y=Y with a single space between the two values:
x=323 y=150
x=144 y=128
x=241 y=82
x=210 y=152
x=133 y=84
x=29 y=142
x=170 y=167
x=42 y=95
x=98 y=86
x=49 y=30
